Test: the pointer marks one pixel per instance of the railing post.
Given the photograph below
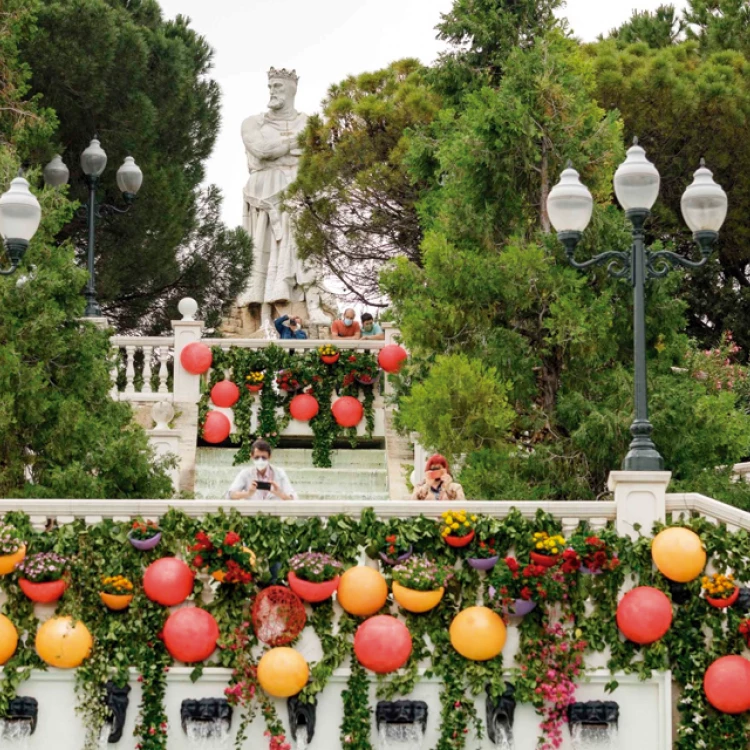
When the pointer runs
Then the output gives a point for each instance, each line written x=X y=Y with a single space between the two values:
x=164 y=439
x=640 y=499
x=186 y=331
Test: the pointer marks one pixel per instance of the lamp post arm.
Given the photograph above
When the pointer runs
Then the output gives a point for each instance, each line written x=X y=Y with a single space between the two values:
x=660 y=262
x=618 y=263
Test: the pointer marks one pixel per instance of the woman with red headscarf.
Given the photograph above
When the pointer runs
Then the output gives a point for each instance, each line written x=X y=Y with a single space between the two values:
x=438 y=483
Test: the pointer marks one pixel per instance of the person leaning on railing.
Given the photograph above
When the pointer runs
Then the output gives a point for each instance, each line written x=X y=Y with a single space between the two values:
x=438 y=483
x=370 y=329
x=273 y=481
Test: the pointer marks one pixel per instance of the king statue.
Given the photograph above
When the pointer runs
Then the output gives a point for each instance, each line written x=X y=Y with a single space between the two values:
x=278 y=277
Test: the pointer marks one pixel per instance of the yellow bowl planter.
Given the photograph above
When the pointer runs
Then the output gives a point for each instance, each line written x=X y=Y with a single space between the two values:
x=9 y=562
x=417 y=601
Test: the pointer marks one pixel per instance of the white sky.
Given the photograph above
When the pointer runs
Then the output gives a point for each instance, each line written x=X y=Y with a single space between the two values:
x=326 y=40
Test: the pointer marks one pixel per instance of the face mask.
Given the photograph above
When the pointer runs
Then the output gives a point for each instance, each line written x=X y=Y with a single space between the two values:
x=347 y=322
x=260 y=463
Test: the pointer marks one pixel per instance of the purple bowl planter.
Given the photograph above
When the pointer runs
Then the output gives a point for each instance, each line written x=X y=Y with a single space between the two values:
x=401 y=558
x=520 y=608
x=483 y=564
x=145 y=544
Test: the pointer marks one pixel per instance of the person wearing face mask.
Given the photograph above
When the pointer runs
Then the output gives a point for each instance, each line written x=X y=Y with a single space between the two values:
x=289 y=328
x=262 y=481
x=347 y=327
x=370 y=329
x=438 y=483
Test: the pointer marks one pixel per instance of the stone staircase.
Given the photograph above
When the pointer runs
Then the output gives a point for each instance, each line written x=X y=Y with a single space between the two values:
x=355 y=475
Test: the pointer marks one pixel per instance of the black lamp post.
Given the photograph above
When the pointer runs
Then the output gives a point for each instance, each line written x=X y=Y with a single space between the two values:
x=20 y=214
x=93 y=163
x=704 y=208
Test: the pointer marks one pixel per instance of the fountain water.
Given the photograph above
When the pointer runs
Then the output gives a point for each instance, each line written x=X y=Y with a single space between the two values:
x=500 y=715
x=203 y=735
x=594 y=737
x=401 y=736
x=104 y=734
x=401 y=724
x=206 y=723
x=503 y=735
x=15 y=734
x=301 y=738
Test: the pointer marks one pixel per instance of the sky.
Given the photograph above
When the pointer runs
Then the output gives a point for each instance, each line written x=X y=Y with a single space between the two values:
x=325 y=41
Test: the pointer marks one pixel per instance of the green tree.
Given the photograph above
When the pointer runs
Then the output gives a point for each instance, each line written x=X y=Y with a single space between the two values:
x=119 y=69
x=662 y=28
x=356 y=203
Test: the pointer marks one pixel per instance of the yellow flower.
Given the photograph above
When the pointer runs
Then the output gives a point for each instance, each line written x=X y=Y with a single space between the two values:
x=454 y=526
x=466 y=523
x=554 y=550
x=449 y=519
x=539 y=545
x=473 y=518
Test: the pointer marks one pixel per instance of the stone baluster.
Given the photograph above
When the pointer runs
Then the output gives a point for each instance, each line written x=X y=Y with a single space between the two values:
x=113 y=373
x=38 y=523
x=569 y=526
x=163 y=354
x=148 y=352
x=130 y=369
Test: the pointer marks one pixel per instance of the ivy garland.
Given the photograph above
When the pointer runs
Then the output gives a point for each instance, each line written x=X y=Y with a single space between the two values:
x=584 y=615
x=316 y=378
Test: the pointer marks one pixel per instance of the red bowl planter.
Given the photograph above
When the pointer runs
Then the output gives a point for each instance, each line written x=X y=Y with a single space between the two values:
x=254 y=388
x=312 y=592
x=44 y=593
x=330 y=359
x=726 y=602
x=546 y=561
x=460 y=541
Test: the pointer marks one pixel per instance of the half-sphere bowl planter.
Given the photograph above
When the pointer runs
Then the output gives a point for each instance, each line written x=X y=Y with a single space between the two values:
x=330 y=359
x=520 y=608
x=116 y=602
x=417 y=601
x=403 y=557
x=145 y=544
x=483 y=563
x=254 y=388
x=8 y=562
x=726 y=602
x=459 y=541
x=310 y=591
x=367 y=380
x=44 y=593
x=546 y=561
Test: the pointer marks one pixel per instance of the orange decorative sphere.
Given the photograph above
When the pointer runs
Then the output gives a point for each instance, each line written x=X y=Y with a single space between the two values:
x=678 y=554
x=62 y=643
x=283 y=672
x=347 y=411
x=196 y=358
x=727 y=684
x=391 y=357
x=478 y=633
x=304 y=407
x=216 y=428
x=225 y=394
x=168 y=581
x=8 y=562
x=8 y=639
x=362 y=591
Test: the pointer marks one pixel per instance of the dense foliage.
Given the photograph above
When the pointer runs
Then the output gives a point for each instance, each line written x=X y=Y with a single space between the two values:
x=573 y=622
x=119 y=69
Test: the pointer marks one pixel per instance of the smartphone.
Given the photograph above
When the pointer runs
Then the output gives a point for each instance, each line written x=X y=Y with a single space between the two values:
x=263 y=485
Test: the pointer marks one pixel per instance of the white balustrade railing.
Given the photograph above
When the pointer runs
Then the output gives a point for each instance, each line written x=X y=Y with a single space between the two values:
x=144 y=363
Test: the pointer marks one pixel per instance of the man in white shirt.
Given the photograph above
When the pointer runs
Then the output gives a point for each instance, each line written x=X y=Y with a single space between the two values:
x=261 y=481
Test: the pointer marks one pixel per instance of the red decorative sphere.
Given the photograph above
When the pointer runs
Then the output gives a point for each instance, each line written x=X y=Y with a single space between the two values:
x=391 y=357
x=727 y=684
x=225 y=394
x=168 y=581
x=278 y=616
x=216 y=428
x=190 y=634
x=304 y=407
x=644 y=615
x=382 y=644
x=347 y=411
x=196 y=358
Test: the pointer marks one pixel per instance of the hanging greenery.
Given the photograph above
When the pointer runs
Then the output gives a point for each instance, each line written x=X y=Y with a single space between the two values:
x=574 y=616
x=273 y=375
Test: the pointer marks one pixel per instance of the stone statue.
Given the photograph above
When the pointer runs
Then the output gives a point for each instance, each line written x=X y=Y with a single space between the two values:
x=270 y=138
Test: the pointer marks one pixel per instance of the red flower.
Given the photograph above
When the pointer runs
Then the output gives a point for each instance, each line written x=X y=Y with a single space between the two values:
x=511 y=563
x=391 y=539
x=526 y=593
x=198 y=561
x=231 y=538
x=353 y=358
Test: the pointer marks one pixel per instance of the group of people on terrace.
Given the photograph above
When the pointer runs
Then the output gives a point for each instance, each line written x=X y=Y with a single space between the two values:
x=345 y=327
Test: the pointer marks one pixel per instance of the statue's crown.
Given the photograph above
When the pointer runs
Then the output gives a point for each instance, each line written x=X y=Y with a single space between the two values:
x=290 y=75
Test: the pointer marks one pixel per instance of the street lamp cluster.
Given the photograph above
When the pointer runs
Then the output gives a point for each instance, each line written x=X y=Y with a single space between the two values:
x=20 y=212
x=704 y=208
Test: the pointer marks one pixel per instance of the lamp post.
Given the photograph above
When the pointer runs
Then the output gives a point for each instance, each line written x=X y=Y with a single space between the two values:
x=704 y=208
x=20 y=214
x=93 y=163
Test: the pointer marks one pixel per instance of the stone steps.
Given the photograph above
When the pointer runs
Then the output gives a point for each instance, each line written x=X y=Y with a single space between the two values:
x=302 y=457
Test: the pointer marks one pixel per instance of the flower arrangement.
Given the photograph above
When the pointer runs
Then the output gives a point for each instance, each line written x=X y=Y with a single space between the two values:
x=360 y=367
x=544 y=544
x=315 y=567
x=9 y=542
x=744 y=629
x=328 y=350
x=718 y=586
x=117 y=585
x=592 y=554
x=292 y=379
x=484 y=549
x=421 y=574
x=142 y=532
x=255 y=378
x=514 y=582
x=43 y=567
x=455 y=523
x=223 y=556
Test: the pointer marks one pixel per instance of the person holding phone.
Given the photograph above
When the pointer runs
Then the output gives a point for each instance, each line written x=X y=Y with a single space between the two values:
x=289 y=328
x=438 y=483
x=261 y=481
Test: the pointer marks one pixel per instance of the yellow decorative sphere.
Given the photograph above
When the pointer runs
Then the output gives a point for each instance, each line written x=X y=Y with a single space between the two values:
x=362 y=591
x=478 y=633
x=8 y=639
x=678 y=554
x=282 y=672
x=62 y=643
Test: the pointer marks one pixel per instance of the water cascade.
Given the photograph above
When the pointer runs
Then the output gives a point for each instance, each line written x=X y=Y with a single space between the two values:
x=301 y=721
x=593 y=725
x=19 y=723
x=206 y=722
x=401 y=724
x=500 y=714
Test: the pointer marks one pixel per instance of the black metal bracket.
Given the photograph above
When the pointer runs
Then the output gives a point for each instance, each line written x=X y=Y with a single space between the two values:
x=594 y=713
x=15 y=250
x=302 y=715
x=619 y=264
x=22 y=710
x=214 y=712
x=501 y=712
x=116 y=700
x=401 y=712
